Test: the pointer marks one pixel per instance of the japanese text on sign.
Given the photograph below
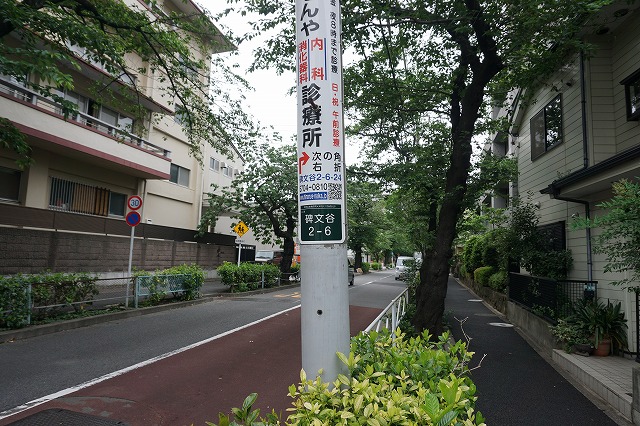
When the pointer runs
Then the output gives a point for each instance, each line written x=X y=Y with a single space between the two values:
x=321 y=178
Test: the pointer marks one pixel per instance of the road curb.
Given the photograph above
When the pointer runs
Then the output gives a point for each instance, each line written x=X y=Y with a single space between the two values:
x=40 y=330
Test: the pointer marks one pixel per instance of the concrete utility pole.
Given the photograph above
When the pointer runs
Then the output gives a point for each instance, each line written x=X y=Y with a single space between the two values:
x=322 y=214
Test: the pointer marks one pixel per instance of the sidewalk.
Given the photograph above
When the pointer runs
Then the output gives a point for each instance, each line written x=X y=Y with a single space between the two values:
x=516 y=385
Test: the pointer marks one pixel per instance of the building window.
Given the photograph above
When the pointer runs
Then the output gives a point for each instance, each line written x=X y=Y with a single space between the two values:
x=214 y=164
x=76 y=197
x=632 y=95
x=181 y=115
x=227 y=170
x=117 y=203
x=554 y=235
x=179 y=175
x=10 y=184
x=546 y=128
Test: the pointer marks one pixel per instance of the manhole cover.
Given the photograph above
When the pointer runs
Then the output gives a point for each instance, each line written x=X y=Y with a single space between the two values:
x=57 y=416
x=500 y=324
x=474 y=300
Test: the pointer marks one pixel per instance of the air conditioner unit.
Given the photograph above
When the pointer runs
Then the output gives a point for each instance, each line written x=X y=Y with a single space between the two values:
x=237 y=172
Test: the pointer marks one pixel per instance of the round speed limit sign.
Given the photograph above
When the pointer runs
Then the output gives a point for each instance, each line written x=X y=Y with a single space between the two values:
x=134 y=202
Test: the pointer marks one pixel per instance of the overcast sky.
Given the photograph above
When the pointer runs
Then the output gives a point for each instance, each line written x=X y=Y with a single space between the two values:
x=269 y=103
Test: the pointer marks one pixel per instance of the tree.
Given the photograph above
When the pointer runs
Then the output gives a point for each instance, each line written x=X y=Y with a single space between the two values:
x=438 y=65
x=53 y=39
x=620 y=237
x=264 y=197
x=365 y=213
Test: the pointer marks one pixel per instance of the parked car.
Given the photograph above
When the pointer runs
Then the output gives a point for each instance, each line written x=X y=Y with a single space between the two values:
x=401 y=266
x=269 y=256
x=351 y=274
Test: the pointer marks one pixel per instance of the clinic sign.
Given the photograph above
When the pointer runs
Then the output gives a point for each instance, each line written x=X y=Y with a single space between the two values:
x=321 y=166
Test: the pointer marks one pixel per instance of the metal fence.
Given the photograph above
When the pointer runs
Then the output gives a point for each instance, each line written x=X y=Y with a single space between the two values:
x=48 y=299
x=390 y=317
x=548 y=298
x=158 y=287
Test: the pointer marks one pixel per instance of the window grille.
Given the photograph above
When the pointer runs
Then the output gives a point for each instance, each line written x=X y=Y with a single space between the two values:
x=84 y=199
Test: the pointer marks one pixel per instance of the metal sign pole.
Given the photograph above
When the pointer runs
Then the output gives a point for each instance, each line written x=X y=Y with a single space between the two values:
x=321 y=189
x=126 y=302
x=134 y=202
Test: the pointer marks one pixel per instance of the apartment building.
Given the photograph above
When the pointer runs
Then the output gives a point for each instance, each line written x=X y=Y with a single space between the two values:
x=575 y=135
x=86 y=165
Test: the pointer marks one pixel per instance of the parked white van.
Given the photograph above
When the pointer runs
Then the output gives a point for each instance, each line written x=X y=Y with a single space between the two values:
x=401 y=266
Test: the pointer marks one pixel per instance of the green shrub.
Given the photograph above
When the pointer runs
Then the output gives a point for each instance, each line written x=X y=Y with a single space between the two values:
x=14 y=302
x=183 y=282
x=408 y=381
x=376 y=266
x=54 y=290
x=248 y=276
x=463 y=271
x=365 y=267
x=472 y=253
x=482 y=274
x=498 y=281
x=191 y=282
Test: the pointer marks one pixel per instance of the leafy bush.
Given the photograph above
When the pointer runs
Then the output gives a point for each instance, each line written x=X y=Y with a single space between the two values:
x=472 y=253
x=392 y=381
x=183 y=282
x=191 y=282
x=463 y=271
x=499 y=281
x=376 y=266
x=248 y=276
x=365 y=267
x=50 y=292
x=482 y=274
x=14 y=302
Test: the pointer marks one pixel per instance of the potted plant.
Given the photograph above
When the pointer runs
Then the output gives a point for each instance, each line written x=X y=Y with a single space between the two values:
x=605 y=323
x=573 y=336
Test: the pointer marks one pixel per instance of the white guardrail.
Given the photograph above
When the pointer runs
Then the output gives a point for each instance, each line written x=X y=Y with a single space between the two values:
x=392 y=314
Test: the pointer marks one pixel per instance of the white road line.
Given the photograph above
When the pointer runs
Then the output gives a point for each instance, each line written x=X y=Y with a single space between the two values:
x=92 y=382
x=379 y=279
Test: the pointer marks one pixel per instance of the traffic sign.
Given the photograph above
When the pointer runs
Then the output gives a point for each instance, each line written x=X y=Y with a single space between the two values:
x=240 y=228
x=133 y=218
x=134 y=202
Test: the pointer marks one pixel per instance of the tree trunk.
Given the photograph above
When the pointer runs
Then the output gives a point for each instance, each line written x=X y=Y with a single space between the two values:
x=434 y=272
x=287 y=257
x=358 y=254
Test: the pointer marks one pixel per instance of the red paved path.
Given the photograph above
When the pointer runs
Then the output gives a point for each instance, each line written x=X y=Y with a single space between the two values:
x=195 y=385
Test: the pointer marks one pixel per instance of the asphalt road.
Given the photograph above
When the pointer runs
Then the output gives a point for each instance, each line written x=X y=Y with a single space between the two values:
x=516 y=386
x=41 y=366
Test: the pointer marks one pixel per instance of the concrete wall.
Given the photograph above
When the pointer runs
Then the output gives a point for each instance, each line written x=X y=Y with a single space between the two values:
x=34 y=251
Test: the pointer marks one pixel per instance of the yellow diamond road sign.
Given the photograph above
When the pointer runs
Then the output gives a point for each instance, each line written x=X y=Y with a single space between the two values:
x=240 y=228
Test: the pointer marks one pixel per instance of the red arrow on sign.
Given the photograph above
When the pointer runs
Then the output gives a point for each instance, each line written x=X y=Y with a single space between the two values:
x=302 y=161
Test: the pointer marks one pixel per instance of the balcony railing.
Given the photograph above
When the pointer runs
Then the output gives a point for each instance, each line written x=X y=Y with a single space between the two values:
x=33 y=98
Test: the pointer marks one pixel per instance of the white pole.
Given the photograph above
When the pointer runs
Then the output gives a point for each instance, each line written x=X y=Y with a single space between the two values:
x=126 y=302
x=239 y=251
x=322 y=214
x=324 y=309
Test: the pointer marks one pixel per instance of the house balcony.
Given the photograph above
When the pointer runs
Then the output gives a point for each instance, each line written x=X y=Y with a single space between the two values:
x=81 y=136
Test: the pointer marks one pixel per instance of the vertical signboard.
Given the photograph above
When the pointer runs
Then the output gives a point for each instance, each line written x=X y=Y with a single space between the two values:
x=321 y=166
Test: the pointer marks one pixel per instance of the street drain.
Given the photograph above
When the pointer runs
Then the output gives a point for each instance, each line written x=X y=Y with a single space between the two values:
x=500 y=324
